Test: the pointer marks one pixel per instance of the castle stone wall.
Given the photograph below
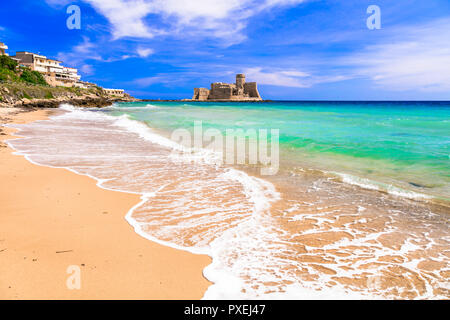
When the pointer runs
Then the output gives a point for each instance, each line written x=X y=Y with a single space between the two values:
x=201 y=94
x=221 y=91
x=251 y=89
x=239 y=91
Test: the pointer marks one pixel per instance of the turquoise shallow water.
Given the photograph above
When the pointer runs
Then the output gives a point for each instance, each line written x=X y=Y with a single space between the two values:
x=401 y=144
x=319 y=228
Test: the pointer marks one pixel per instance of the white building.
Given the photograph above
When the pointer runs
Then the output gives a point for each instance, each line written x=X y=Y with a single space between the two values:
x=3 y=47
x=114 y=92
x=85 y=85
x=54 y=73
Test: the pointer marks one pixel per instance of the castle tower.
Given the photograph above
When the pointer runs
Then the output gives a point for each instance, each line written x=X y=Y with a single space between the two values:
x=240 y=81
x=239 y=91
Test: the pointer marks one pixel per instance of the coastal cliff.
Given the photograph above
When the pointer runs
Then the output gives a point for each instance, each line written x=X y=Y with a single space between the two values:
x=241 y=91
x=13 y=94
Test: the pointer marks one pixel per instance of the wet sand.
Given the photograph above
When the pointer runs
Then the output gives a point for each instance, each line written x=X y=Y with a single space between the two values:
x=51 y=219
x=299 y=234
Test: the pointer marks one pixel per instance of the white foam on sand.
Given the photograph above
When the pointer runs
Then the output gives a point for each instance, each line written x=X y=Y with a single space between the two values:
x=258 y=193
x=373 y=185
x=189 y=205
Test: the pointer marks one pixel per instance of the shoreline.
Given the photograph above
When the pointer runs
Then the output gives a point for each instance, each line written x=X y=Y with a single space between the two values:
x=384 y=228
x=48 y=225
x=368 y=184
x=87 y=101
x=22 y=95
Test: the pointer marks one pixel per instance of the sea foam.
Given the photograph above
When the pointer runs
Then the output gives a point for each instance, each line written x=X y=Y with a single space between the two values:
x=222 y=212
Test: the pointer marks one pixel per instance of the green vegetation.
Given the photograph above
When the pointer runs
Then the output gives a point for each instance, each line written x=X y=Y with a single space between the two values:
x=9 y=71
x=77 y=91
x=19 y=90
x=32 y=77
x=7 y=63
x=48 y=95
x=8 y=75
x=11 y=91
x=25 y=95
x=17 y=83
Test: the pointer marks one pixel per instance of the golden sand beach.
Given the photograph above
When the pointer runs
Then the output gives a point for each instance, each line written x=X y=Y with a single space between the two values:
x=51 y=219
x=302 y=237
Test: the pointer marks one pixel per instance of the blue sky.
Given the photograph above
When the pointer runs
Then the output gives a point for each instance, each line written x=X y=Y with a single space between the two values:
x=294 y=49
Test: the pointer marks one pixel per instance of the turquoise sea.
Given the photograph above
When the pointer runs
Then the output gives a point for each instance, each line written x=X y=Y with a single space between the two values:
x=392 y=144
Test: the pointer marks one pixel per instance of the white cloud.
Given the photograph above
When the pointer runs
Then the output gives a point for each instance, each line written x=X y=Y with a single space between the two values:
x=86 y=47
x=80 y=53
x=276 y=78
x=224 y=19
x=294 y=73
x=87 y=69
x=417 y=58
x=289 y=78
x=146 y=82
x=144 y=52
x=126 y=17
x=88 y=51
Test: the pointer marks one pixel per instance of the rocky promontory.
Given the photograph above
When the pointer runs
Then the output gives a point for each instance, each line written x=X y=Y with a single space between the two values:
x=34 y=96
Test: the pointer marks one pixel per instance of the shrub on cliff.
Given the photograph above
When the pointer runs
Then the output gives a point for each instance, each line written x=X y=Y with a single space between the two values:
x=7 y=63
x=8 y=75
x=10 y=72
x=33 y=77
x=48 y=95
x=8 y=69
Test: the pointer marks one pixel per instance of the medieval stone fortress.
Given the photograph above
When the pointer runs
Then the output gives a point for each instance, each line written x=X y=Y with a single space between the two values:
x=239 y=91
